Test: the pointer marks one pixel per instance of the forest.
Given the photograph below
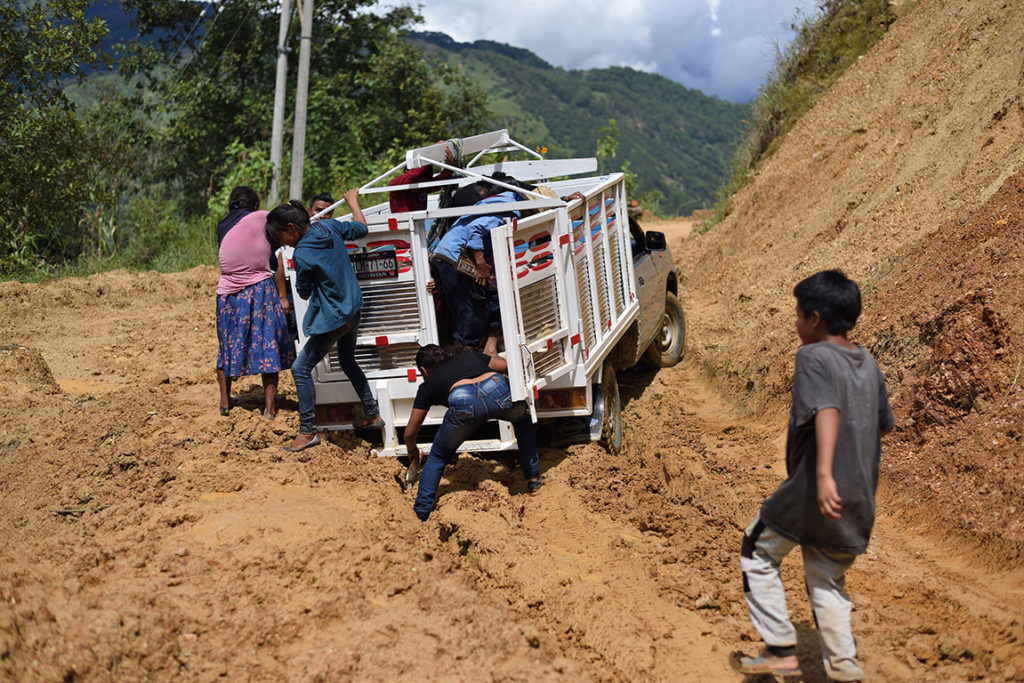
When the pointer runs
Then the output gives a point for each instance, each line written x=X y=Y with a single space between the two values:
x=131 y=143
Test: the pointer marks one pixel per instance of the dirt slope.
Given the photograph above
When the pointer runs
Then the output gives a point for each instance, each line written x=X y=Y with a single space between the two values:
x=908 y=176
x=144 y=537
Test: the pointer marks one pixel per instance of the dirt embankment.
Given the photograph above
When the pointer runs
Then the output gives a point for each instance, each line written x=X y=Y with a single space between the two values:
x=908 y=176
x=143 y=536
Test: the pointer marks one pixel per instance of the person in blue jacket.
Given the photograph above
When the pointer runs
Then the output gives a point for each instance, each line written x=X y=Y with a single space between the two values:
x=324 y=276
x=473 y=307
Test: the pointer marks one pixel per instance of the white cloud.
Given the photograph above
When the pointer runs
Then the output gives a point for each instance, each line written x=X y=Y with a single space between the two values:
x=722 y=47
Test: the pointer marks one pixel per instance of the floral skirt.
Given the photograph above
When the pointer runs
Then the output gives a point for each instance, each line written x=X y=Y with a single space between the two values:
x=253 y=332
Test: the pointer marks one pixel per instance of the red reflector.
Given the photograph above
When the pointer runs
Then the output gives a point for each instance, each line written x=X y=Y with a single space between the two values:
x=392 y=224
x=515 y=224
x=563 y=240
x=291 y=263
x=381 y=341
x=574 y=339
x=609 y=324
x=551 y=344
x=535 y=392
x=411 y=373
x=337 y=413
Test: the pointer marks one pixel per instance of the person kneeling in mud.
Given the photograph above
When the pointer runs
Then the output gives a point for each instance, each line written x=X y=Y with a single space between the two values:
x=474 y=389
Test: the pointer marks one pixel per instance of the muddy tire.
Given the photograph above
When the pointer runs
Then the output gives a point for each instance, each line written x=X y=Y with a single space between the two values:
x=611 y=422
x=669 y=343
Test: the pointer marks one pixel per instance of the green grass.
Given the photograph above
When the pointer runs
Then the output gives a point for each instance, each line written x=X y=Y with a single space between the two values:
x=168 y=245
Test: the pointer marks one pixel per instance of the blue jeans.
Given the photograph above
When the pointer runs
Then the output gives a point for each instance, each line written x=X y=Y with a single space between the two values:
x=469 y=406
x=318 y=346
x=474 y=310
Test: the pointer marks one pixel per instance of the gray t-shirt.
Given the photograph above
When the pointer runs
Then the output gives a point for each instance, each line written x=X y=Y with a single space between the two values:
x=830 y=376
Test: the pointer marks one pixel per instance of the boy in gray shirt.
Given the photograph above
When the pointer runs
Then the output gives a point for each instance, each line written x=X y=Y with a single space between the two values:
x=827 y=503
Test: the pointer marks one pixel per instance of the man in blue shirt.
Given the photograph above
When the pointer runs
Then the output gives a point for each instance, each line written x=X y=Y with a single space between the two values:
x=472 y=302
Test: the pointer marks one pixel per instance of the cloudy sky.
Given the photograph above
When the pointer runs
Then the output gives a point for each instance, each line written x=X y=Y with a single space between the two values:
x=721 y=47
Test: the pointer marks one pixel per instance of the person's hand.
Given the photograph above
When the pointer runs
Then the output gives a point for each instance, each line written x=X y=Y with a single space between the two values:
x=431 y=285
x=448 y=157
x=352 y=197
x=829 y=502
x=483 y=274
x=574 y=195
x=284 y=304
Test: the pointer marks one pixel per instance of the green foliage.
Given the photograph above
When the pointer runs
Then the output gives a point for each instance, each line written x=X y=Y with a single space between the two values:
x=242 y=166
x=607 y=144
x=677 y=140
x=370 y=91
x=826 y=44
x=134 y=168
x=45 y=151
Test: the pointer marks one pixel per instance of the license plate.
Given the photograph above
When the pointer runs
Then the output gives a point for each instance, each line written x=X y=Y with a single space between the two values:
x=375 y=265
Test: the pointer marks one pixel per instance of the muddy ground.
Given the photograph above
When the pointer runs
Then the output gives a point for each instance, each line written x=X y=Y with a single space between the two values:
x=145 y=537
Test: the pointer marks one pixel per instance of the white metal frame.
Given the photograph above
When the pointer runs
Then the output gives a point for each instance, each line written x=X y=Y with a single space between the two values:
x=582 y=364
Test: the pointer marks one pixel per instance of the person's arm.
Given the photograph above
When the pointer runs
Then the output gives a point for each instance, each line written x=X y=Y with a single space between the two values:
x=281 y=282
x=303 y=279
x=352 y=199
x=498 y=364
x=826 y=431
x=412 y=430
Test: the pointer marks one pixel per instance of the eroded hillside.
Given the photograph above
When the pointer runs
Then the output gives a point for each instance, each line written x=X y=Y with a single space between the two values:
x=907 y=175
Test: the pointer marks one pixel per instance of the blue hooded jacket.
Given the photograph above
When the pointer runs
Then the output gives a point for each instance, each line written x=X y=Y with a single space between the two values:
x=324 y=275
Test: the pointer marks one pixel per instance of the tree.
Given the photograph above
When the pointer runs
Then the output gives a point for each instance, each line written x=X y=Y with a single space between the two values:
x=45 y=151
x=371 y=92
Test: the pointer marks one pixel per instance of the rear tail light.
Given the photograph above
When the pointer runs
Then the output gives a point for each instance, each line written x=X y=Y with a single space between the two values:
x=562 y=399
x=336 y=413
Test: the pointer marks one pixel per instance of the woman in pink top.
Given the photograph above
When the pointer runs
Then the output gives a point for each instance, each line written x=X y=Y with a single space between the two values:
x=252 y=325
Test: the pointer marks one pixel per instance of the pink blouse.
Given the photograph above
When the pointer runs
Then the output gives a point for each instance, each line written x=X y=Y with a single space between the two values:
x=244 y=255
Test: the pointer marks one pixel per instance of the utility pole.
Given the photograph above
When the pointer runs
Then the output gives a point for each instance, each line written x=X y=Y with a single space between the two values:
x=276 y=139
x=301 y=99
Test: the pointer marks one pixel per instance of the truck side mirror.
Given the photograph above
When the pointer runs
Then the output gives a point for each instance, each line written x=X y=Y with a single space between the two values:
x=655 y=241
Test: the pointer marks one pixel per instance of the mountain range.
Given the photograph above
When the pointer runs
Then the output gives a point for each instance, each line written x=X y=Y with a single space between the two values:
x=677 y=140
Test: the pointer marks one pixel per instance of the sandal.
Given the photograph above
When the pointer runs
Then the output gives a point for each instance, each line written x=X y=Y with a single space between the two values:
x=759 y=666
x=315 y=441
x=369 y=422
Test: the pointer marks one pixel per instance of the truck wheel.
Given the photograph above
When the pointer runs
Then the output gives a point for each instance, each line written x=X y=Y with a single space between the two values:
x=611 y=422
x=670 y=343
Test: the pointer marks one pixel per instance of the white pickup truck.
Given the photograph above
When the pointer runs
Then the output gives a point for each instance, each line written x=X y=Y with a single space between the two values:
x=582 y=290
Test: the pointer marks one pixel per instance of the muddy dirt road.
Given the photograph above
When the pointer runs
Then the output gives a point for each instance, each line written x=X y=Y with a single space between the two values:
x=143 y=536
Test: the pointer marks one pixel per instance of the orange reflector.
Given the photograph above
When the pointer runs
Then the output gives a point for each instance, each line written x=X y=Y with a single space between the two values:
x=562 y=399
